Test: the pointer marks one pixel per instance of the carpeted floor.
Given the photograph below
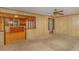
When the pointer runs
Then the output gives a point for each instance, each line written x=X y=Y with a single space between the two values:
x=52 y=42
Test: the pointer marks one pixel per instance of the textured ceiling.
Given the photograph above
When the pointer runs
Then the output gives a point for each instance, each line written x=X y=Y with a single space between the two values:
x=47 y=10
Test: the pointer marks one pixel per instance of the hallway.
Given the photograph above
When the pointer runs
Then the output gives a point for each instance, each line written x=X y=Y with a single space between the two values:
x=53 y=42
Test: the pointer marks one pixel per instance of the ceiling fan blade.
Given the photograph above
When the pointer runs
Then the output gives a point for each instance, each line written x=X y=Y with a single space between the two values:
x=61 y=13
x=55 y=10
x=57 y=13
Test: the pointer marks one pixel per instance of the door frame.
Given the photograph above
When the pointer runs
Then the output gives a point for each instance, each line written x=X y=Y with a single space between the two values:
x=53 y=24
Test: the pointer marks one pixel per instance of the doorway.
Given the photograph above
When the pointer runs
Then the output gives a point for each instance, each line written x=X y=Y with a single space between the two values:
x=15 y=30
x=51 y=25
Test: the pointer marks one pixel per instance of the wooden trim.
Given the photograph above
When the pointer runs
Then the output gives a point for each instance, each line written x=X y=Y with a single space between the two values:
x=3 y=14
x=53 y=24
x=25 y=32
x=4 y=33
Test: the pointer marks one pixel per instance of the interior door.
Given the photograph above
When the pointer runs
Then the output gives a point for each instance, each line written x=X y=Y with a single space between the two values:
x=15 y=30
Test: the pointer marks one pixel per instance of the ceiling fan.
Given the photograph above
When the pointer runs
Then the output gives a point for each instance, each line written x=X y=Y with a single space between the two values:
x=58 y=12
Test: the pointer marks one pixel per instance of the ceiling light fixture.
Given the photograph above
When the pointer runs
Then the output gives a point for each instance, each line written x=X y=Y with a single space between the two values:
x=16 y=16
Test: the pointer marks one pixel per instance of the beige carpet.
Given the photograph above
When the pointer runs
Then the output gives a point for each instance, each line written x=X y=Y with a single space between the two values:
x=52 y=42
